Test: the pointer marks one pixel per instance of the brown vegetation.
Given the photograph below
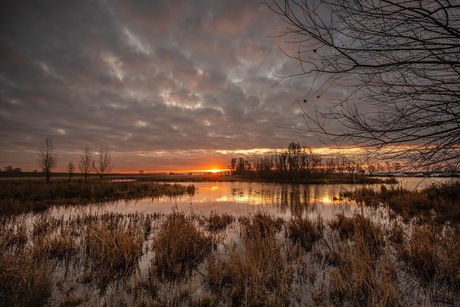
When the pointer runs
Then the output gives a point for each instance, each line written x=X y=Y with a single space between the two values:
x=179 y=247
x=441 y=200
x=113 y=247
x=180 y=259
x=17 y=196
x=255 y=274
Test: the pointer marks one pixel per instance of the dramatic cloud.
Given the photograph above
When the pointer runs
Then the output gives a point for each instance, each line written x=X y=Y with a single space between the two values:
x=166 y=85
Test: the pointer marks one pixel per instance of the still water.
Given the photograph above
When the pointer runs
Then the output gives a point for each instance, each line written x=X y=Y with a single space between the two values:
x=245 y=198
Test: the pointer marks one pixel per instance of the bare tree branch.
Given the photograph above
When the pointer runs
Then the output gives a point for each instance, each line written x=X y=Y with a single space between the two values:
x=104 y=164
x=47 y=158
x=399 y=64
x=86 y=162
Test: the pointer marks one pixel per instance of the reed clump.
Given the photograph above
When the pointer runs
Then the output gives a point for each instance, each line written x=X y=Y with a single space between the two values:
x=113 y=247
x=358 y=227
x=187 y=259
x=255 y=274
x=261 y=224
x=362 y=272
x=60 y=245
x=305 y=231
x=218 y=222
x=23 y=280
x=432 y=254
x=13 y=233
x=440 y=201
x=179 y=247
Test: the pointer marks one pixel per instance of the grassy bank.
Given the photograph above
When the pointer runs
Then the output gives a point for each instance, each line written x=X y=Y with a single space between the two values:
x=188 y=260
x=18 y=196
x=313 y=178
x=273 y=177
x=441 y=202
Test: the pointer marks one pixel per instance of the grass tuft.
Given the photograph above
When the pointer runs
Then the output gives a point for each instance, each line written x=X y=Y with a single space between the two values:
x=24 y=281
x=179 y=247
x=255 y=275
x=305 y=231
x=113 y=247
x=216 y=222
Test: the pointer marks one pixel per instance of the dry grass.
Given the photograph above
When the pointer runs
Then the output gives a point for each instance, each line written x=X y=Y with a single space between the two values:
x=362 y=273
x=257 y=274
x=13 y=233
x=261 y=224
x=23 y=280
x=432 y=254
x=305 y=231
x=157 y=260
x=441 y=200
x=60 y=245
x=215 y=222
x=113 y=246
x=20 y=196
x=179 y=247
x=360 y=228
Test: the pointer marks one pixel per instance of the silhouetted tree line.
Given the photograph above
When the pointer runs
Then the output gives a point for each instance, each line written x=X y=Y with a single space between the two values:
x=102 y=165
x=11 y=169
x=296 y=164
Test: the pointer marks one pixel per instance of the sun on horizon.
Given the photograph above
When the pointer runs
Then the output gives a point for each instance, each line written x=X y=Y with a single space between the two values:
x=213 y=170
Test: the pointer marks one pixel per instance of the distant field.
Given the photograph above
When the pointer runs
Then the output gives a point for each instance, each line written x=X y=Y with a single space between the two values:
x=118 y=176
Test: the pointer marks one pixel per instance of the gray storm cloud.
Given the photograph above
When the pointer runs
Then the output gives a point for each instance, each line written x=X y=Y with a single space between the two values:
x=143 y=77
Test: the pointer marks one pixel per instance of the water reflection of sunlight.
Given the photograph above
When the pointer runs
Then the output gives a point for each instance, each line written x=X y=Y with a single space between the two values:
x=222 y=199
x=244 y=199
x=327 y=200
x=237 y=198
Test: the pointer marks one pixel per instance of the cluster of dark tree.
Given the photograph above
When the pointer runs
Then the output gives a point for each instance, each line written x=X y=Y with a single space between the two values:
x=11 y=169
x=299 y=164
x=47 y=160
x=87 y=164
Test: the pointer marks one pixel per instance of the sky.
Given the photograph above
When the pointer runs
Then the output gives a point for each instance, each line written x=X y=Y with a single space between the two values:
x=165 y=85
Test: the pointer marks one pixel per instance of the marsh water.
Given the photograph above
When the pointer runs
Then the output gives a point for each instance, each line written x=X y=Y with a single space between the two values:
x=75 y=276
x=246 y=198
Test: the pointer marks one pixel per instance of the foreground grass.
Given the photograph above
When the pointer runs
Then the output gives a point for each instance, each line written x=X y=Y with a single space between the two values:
x=17 y=196
x=188 y=260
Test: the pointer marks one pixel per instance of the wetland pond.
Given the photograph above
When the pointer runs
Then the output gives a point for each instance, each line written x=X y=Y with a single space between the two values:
x=229 y=243
x=246 y=198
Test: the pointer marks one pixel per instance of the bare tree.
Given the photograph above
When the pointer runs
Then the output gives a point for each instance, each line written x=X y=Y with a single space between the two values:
x=86 y=162
x=70 y=170
x=104 y=164
x=398 y=66
x=47 y=158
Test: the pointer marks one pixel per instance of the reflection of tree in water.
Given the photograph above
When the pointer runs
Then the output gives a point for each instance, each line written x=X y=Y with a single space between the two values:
x=296 y=198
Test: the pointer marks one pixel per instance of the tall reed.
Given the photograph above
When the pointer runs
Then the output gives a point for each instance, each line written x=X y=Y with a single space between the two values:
x=179 y=247
x=113 y=247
